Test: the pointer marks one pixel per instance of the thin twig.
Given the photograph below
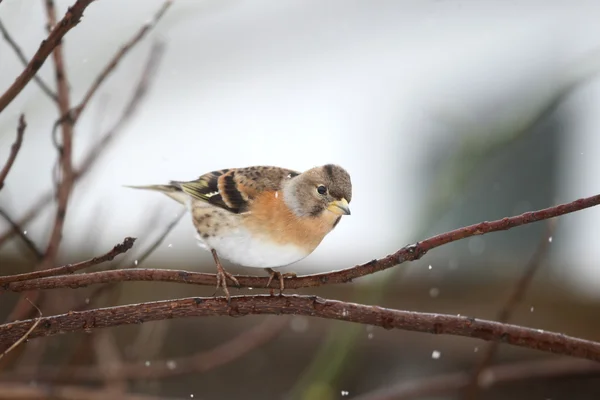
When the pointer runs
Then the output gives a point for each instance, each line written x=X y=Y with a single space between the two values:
x=94 y=153
x=21 y=56
x=448 y=384
x=71 y=268
x=26 y=335
x=14 y=150
x=407 y=253
x=199 y=363
x=69 y=21
x=511 y=305
x=98 y=291
x=75 y=113
x=314 y=306
x=21 y=233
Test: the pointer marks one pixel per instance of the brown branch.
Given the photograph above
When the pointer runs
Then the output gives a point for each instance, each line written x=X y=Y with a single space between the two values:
x=315 y=306
x=109 y=68
x=71 y=268
x=14 y=150
x=511 y=305
x=454 y=382
x=202 y=362
x=36 y=392
x=21 y=233
x=94 y=153
x=98 y=291
x=69 y=21
x=408 y=253
x=26 y=335
x=65 y=185
x=21 y=56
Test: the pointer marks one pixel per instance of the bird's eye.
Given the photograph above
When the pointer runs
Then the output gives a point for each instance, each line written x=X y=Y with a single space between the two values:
x=321 y=189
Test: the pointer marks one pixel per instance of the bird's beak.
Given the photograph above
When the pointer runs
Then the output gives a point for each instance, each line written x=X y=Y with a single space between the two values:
x=339 y=207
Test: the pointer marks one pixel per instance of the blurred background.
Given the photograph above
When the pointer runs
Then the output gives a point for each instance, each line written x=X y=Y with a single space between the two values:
x=445 y=113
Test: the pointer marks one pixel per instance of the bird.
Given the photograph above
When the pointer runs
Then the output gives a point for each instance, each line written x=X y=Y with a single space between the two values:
x=262 y=216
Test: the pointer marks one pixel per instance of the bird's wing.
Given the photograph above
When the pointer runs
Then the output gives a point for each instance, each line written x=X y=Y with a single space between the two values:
x=234 y=189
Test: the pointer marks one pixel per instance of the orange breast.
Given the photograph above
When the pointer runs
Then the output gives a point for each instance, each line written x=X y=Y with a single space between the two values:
x=270 y=217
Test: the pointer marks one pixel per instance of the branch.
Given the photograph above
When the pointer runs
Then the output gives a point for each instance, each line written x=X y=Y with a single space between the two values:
x=74 y=113
x=94 y=153
x=454 y=382
x=35 y=392
x=408 y=253
x=22 y=234
x=315 y=306
x=511 y=304
x=70 y=268
x=11 y=42
x=14 y=150
x=69 y=21
x=202 y=362
x=64 y=185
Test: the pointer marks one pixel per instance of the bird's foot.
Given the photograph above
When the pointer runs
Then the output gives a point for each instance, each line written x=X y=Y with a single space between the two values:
x=274 y=274
x=222 y=276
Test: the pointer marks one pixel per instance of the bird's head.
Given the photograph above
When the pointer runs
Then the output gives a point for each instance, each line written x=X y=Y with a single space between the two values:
x=321 y=189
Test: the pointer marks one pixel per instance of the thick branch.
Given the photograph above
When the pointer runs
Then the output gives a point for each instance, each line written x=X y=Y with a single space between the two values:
x=69 y=21
x=536 y=339
x=408 y=253
x=71 y=268
x=14 y=150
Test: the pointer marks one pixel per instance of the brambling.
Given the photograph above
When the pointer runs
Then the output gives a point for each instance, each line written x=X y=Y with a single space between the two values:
x=263 y=217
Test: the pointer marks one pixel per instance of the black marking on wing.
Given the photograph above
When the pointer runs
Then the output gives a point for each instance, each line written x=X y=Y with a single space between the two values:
x=206 y=188
x=232 y=195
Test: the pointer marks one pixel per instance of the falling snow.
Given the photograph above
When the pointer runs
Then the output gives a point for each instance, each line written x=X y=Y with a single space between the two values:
x=147 y=363
x=434 y=292
x=171 y=364
x=550 y=239
x=436 y=354
x=430 y=267
x=345 y=393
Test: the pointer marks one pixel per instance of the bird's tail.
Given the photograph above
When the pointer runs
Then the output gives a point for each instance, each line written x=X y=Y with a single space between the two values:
x=172 y=190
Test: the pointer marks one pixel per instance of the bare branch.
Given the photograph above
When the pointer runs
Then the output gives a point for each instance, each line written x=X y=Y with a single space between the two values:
x=109 y=68
x=22 y=234
x=69 y=21
x=511 y=304
x=138 y=261
x=21 y=56
x=71 y=268
x=14 y=150
x=408 y=253
x=26 y=335
x=94 y=153
x=452 y=383
x=315 y=306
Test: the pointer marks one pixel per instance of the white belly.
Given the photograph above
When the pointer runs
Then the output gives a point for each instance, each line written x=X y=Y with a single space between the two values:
x=240 y=248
